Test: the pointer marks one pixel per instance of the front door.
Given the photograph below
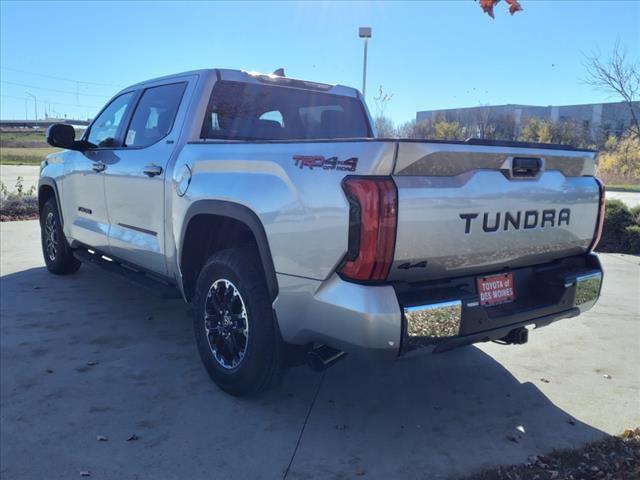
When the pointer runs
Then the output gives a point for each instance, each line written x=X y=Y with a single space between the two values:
x=83 y=188
x=134 y=182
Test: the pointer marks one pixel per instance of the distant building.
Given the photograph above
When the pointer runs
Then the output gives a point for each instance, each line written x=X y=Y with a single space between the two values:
x=597 y=117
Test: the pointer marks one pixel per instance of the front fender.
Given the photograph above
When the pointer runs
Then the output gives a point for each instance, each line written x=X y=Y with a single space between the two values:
x=49 y=182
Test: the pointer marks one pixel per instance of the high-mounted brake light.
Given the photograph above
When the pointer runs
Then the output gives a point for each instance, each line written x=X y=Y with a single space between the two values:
x=597 y=235
x=372 y=227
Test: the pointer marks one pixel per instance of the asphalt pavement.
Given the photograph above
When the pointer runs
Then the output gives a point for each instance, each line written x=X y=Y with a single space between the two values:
x=87 y=355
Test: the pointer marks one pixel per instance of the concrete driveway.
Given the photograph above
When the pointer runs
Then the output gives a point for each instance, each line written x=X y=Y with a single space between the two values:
x=427 y=417
x=631 y=199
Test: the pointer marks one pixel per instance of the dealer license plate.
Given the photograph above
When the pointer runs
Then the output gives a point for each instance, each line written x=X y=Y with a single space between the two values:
x=496 y=289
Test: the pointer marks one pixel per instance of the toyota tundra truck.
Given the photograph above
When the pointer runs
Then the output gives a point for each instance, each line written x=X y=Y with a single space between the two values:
x=269 y=205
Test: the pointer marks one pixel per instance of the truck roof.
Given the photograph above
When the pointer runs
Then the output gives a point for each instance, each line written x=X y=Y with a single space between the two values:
x=252 y=77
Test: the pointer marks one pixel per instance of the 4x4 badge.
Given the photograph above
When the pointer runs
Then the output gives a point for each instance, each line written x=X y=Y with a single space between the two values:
x=331 y=163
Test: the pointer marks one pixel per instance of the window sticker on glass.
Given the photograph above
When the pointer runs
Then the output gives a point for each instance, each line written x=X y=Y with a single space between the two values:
x=131 y=136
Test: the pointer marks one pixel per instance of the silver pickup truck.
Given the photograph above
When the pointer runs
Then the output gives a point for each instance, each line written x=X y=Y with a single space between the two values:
x=269 y=204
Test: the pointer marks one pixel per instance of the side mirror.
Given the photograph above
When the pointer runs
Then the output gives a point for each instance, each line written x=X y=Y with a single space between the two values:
x=63 y=136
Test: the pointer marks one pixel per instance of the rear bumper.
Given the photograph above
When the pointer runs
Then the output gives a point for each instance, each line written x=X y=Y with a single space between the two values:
x=383 y=318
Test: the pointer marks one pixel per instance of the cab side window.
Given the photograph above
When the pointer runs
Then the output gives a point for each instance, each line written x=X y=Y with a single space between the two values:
x=154 y=115
x=104 y=130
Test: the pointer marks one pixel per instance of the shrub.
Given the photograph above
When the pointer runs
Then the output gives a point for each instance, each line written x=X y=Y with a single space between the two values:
x=14 y=207
x=621 y=231
x=632 y=239
x=617 y=217
x=20 y=204
x=635 y=213
x=620 y=162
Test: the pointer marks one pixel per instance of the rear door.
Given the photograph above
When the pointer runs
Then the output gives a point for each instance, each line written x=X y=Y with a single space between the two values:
x=466 y=209
x=83 y=192
x=134 y=181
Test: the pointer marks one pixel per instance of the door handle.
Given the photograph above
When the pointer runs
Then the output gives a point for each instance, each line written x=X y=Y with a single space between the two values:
x=152 y=170
x=98 y=167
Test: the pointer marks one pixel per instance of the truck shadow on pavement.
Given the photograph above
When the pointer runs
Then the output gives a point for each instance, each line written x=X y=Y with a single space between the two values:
x=88 y=355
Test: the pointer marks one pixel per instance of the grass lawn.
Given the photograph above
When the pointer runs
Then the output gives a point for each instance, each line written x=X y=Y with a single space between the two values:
x=24 y=156
x=623 y=188
x=23 y=136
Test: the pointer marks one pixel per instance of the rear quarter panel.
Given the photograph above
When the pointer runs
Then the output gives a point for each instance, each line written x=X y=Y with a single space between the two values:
x=303 y=209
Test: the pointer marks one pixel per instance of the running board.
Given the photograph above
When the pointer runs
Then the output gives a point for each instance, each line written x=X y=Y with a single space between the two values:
x=155 y=285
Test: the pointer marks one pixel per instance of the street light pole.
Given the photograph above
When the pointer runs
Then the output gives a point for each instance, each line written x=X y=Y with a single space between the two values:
x=364 y=32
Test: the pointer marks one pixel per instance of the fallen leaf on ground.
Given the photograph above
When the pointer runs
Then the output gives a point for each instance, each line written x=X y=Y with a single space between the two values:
x=629 y=433
x=612 y=458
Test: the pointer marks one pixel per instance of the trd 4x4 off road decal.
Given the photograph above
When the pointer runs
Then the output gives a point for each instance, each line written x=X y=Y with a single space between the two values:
x=331 y=163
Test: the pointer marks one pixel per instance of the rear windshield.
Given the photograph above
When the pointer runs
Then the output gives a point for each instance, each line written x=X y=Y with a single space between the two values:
x=243 y=111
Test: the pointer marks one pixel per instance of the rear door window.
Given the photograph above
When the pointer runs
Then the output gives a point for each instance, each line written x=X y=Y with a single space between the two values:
x=244 y=111
x=154 y=115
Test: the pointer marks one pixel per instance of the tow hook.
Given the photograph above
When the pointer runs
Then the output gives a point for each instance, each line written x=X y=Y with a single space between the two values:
x=322 y=357
x=517 y=336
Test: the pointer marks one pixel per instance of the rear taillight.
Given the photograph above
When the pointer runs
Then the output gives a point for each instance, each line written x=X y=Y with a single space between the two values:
x=600 y=222
x=372 y=227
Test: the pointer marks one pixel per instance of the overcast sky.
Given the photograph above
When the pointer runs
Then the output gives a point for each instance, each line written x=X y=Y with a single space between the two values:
x=73 y=56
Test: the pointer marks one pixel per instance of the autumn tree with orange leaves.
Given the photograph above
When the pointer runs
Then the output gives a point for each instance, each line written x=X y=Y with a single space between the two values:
x=487 y=6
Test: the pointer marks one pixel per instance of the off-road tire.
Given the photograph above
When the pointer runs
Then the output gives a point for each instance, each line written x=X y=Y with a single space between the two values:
x=57 y=254
x=262 y=363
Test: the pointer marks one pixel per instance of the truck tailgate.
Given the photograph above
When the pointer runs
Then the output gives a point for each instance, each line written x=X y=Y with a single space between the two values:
x=465 y=208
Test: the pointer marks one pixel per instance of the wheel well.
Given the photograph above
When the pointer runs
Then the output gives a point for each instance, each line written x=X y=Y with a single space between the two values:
x=44 y=194
x=207 y=234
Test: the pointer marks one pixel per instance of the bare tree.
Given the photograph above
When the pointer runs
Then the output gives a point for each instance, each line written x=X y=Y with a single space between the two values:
x=413 y=129
x=504 y=127
x=384 y=125
x=619 y=76
x=484 y=121
x=381 y=100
